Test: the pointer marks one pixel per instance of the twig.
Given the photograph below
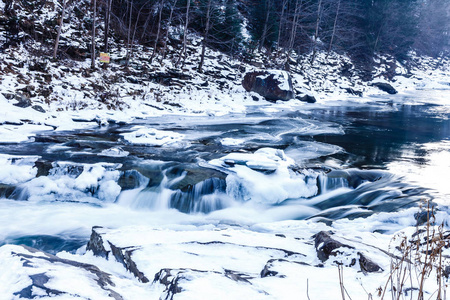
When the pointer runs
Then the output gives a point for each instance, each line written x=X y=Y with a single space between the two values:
x=307 y=288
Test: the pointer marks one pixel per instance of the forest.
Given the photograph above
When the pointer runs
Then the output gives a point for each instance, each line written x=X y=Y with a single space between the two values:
x=280 y=30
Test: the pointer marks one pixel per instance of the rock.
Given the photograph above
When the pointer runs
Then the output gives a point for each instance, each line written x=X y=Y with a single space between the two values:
x=23 y=101
x=446 y=271
x=306 y=98
x=36 y=264
x=38 y=108
x=122 y=255
x=6 y=190
x=385 y=87
x=174 y=280
x=272 y=85
x=169 y=278
x=43 y=167
x=367 y=265
x=354 y=92
x=268 y=268
x=326 y=246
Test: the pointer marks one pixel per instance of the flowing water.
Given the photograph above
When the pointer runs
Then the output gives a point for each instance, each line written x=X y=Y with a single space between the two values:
x=342 y=160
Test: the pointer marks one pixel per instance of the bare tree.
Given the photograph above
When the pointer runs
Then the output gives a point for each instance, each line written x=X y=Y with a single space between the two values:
x=93 y=35
x=107 y=24
x=161 y=6
x=295 y=24
x=266 y=25
x=334 y=27
x=183 y=51
x=316 y=32
x=166 y=36
x=205 y=36
x=129 y=32
x=282 y=20
x=60 y=23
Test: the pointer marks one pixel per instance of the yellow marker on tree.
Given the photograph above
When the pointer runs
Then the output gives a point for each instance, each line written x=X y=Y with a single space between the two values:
x=104 y=57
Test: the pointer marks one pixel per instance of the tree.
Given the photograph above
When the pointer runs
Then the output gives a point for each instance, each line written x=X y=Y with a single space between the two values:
x=60 y=23
x=205 y=35
x=93 y=35
x=186 y=23
x=107 y=23
x=316 y=31
x=160 y=9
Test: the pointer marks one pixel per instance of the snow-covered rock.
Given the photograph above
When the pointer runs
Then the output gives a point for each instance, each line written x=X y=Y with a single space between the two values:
x=272 y=85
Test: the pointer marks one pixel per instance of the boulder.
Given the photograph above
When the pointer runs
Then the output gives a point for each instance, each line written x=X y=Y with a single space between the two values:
x=272 y=85
x=326 y=246
x=367 y=265
x=38 y=108
x=40 y=275
x=123 y=255
x=385 y=87
x=307 y=98
x=22 y=101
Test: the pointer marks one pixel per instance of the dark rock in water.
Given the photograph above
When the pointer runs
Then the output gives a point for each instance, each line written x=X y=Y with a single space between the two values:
x=423 y=217
x=272 y=85
x=307 y=98
x=6 y=190
x=326 y=246
x=38 y=108
x=191 y=198
x=31 y=258
x=123 y=255
x=43 y=167
x=367 y=265
x=130 y=179
x=23 y=102
x=385 y=87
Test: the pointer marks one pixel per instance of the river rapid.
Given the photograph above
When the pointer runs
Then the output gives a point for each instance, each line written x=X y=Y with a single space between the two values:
x=369 y=163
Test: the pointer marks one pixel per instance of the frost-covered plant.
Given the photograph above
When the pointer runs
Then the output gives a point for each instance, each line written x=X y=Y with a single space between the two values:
x=416 y=260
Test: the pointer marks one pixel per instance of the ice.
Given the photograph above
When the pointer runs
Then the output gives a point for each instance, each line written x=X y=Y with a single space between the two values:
x=114 y=152
x=249 y=179
x=232 y=141
x=150 y=136
x=17 y=169
x=74 y=182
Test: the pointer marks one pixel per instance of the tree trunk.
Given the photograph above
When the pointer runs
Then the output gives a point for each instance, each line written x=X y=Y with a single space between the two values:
x=334 y=27
x=107 y=22
x=183 y=51
x=265 y=28
x=129 y=33
x=158 y=31
x=316 y=33
x=93 y=36
x=60 y=21
x=281 y=24
x=294 y=25
x=205 y=38
x=166 y=37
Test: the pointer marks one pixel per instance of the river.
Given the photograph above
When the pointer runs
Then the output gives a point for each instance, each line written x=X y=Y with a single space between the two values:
x=324 y=162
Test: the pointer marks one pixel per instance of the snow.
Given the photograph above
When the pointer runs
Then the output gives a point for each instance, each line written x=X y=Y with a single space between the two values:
x=95 y=182
x=249 y=181
x=68 y=205
x=17 y=169
x=150 y=136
